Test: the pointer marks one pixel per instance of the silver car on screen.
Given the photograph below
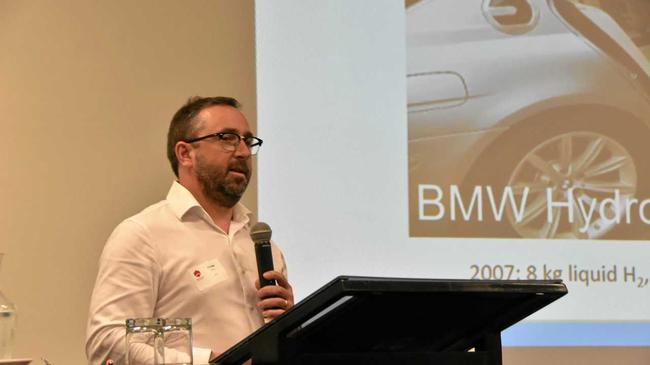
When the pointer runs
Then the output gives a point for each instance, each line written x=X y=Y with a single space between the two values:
x=547 y=100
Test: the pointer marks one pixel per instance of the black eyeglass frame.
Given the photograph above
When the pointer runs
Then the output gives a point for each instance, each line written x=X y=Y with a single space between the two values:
x=250 y=141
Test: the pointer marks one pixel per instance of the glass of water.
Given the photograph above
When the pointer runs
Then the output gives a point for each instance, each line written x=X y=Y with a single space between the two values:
x=158 y=341
x=144 y=341
x=177 y=337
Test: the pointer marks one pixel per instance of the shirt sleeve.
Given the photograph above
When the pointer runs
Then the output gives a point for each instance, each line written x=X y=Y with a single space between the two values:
x=201 y=355
x=126 y=287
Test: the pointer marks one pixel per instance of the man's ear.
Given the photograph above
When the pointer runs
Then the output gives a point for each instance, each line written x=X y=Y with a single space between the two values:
x=184 y=153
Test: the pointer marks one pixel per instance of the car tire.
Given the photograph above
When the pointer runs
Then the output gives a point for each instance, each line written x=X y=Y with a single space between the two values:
x=614 y=146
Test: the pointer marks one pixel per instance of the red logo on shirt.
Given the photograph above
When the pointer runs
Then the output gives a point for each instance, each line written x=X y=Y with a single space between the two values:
x=197 y=274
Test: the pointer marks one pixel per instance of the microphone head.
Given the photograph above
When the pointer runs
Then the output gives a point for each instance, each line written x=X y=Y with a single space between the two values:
x=261 y=232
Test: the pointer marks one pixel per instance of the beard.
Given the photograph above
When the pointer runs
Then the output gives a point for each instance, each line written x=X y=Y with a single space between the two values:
x=219 y=185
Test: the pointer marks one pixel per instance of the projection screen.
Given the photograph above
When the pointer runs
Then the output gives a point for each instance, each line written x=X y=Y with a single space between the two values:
x=480 y=139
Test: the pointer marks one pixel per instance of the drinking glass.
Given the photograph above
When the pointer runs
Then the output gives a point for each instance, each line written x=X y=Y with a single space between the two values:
x=177 y=337
x=144 y=341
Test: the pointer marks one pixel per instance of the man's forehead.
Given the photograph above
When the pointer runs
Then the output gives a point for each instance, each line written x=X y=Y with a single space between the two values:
x=219 y=118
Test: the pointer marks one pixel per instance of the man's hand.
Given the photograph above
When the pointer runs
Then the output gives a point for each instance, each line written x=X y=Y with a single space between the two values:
x=274 y=299
x=214 y=355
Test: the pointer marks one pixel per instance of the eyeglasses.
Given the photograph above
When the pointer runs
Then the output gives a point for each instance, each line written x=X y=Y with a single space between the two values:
x=230 y=141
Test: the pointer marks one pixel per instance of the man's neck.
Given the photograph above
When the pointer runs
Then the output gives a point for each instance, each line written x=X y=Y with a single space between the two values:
x=221 y=215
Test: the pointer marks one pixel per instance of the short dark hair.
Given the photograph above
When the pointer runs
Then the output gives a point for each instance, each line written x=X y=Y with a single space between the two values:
x=183 y=123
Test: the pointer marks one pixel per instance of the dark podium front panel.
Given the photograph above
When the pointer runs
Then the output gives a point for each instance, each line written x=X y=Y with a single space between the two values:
x=365 y=320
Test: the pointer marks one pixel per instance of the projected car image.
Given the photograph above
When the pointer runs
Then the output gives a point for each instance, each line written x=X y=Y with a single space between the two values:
x=526 y=119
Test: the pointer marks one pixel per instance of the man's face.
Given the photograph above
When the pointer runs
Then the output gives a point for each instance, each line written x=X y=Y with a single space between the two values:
x=223 y=175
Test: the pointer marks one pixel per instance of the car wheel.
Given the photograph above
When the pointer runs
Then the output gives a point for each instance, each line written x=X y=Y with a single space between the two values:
x=588 y=162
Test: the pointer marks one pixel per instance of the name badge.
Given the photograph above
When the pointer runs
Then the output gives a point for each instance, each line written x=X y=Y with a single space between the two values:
x=208 y=273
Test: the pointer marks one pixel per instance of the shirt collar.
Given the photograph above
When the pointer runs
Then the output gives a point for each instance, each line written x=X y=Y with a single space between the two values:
x=181 y=201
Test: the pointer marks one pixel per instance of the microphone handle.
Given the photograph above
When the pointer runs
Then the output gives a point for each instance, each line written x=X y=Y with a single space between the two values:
x=264 y=261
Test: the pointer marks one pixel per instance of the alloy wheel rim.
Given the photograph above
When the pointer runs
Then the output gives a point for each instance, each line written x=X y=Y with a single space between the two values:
x=581 y=167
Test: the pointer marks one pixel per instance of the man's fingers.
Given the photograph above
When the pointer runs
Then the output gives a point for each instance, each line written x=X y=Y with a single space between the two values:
x=274 y=299
x=273 y=291
x=273 y=307
x=272 y=313
x=274 y=303
x=281 y=279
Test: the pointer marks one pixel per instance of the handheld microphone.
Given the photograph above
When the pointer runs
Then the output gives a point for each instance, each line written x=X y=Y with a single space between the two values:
x=261 y=235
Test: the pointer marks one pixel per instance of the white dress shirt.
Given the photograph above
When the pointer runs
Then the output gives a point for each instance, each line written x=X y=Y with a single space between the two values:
x=171 y=260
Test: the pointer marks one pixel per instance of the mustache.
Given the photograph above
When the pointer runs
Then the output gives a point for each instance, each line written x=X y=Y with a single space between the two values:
x=239 y=166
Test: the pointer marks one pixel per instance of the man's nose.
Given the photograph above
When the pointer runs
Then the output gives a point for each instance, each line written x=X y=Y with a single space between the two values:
x=242 y=150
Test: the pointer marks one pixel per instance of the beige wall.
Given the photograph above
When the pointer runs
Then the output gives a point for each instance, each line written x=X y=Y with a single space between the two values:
x=87 y=89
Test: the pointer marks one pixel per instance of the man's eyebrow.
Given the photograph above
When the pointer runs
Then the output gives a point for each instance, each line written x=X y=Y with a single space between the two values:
x=235 y=131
